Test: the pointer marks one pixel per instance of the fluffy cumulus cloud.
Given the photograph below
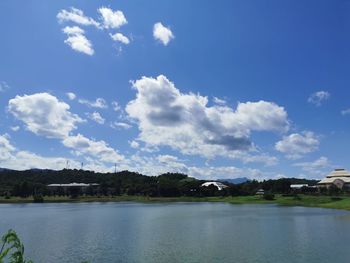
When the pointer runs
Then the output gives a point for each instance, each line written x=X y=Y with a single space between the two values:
x=76 y=16
x=167 y=117
x=162 y=33
x=319 y=97
x=77 y=40
x=296 y=145
x=318 y=167
x=115 y=105
x=13 y=158
x=96 y=117
x=120 y=125
x=5 y=147
x=134 y=144
x=43 y=114
x=112 y=19
x=71 y=95
x=98 y=103
x=219 y=101
x=15 y=128
x=119 y=37
x=100 y=149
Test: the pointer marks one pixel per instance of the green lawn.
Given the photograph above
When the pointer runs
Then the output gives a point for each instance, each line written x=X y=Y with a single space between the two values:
x=341 y=202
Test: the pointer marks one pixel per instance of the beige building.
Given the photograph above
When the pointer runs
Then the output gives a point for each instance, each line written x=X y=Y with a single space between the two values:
x=339 y=178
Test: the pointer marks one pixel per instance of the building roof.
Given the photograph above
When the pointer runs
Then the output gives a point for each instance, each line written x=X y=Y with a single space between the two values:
x=219 y=185
x=340 y=174
x=298 y=186
x=330 y=180
x=71 y=185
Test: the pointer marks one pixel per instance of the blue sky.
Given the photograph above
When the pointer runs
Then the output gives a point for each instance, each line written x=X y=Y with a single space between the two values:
x=215 y=90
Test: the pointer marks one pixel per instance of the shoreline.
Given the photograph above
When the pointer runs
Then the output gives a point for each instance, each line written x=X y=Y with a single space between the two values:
x=337 y=202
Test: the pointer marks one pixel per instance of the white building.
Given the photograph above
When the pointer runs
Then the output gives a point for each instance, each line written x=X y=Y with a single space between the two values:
x=220 y=186
x=298 y=186
x=339 y=178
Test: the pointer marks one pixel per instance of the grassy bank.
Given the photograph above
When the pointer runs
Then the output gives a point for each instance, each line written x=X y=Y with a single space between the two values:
x=341 y=202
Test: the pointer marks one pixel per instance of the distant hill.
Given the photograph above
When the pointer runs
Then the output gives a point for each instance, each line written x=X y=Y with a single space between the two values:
x=4 y=169
x=239 y=180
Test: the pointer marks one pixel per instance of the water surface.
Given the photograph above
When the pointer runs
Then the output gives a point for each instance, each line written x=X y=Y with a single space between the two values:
x=178 y=232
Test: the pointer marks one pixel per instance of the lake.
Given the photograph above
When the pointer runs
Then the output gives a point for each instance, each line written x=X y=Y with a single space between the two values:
x=178 y=232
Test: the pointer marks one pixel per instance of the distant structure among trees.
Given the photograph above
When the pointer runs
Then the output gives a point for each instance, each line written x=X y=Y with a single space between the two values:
x=220 y=186
x=72 y=182
x=67 y=189
x=339 y=178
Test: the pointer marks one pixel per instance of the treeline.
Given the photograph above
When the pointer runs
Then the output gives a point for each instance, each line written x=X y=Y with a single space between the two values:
x=34 y=182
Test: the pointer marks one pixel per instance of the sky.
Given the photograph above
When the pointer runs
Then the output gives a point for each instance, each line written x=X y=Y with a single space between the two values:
x=227 y=89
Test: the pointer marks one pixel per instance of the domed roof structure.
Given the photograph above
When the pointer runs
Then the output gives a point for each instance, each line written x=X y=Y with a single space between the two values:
x=338 y=177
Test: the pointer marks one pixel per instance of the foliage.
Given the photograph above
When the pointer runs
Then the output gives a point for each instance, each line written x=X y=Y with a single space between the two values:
x=12 y=249
x=268 y=196
x=38 y=198
x=34 y=182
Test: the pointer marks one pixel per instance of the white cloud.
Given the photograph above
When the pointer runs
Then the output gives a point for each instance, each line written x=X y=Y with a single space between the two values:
x=162 y=33
x=112 y=19
x=15 y=128
x=100 y=149
x=167 y=117
x=224 y=172
x=13 y=158
x=318 y=167
x=77 y=40
x=345 y=112
x=219 y=101
x=4 y=86
x=319 y=97
x=296 y=145
x=120 y=125
x=167 y=158
x=98 y=103
x=5 y=147
x=134 y=144
x=120 y=38
x=96 y=116
x=169 y=163
x=43 y=114
x=115 y=106
x=71 y=95
x=77 y=16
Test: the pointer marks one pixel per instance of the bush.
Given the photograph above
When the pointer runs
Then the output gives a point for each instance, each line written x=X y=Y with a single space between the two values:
x=269 y=196
x=7 y=195
x=297 y=197
x=38 y=199
x=336 y=199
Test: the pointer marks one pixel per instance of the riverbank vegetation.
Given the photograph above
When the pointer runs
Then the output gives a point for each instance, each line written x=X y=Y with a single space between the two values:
x=31 y=186
x=12 y=249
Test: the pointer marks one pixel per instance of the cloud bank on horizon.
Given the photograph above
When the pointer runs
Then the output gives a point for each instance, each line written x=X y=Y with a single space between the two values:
x=141 y=110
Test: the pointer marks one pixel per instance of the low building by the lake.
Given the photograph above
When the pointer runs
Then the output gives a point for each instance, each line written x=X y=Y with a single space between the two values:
x=339 y=178
x=298 y=186
x=220 y=186
x=260 y=192
x=64 y=188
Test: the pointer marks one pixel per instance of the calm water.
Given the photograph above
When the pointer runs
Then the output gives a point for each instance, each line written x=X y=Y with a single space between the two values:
x=179 y=232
